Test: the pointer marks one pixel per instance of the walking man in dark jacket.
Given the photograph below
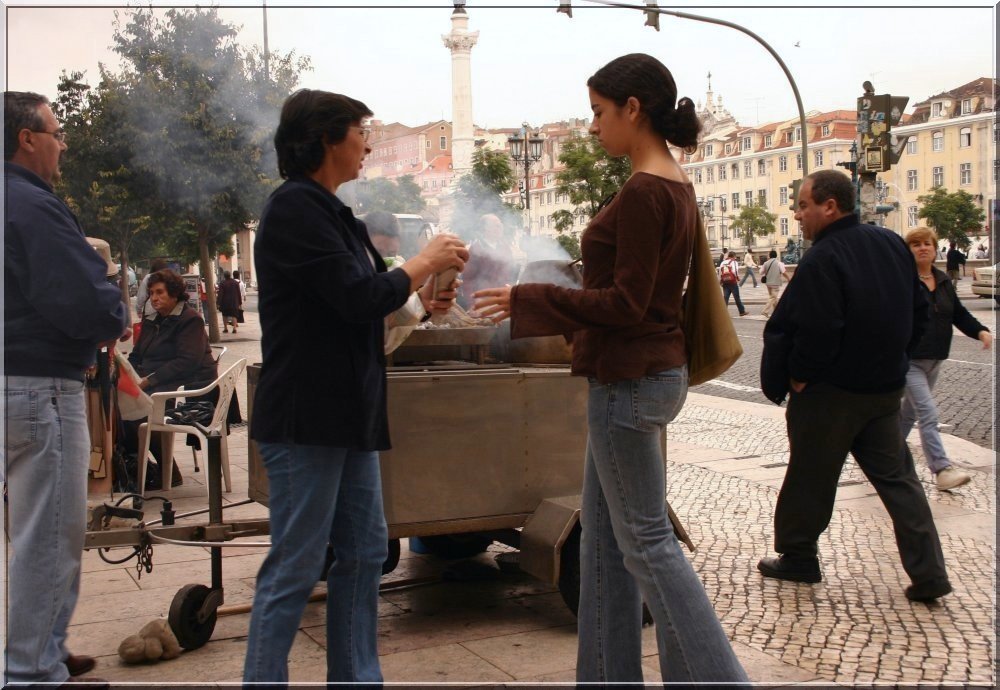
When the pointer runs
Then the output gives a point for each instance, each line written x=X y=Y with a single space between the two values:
x=58 y=309
x=953 y=260
x=838 y=343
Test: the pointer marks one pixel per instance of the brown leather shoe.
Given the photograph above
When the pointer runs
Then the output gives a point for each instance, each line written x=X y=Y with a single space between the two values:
x=77 y=665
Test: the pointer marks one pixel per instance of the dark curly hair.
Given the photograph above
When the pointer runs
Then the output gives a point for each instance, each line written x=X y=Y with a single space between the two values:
x=833 y=184
x=171 y=281
x=309 y=119
x=650 y=82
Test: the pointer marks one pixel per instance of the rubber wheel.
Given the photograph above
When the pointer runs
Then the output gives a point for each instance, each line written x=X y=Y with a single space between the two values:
x=183 y=617
x=456 y=545
x=391 y=561
x=569 y=576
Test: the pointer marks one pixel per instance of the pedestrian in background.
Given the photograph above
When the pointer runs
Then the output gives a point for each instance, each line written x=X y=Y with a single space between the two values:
x=729 y=271
x=954 y=259
x=946 y=311
x=749 y=263
x=837 y=345
x=243 y=287
x=320 y=414
x=772 y=273
x=230 y=301
x=59 y=309
x=143 y=308
x=627 y=339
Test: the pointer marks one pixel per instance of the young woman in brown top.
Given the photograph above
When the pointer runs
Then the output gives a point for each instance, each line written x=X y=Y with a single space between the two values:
x=627 y=339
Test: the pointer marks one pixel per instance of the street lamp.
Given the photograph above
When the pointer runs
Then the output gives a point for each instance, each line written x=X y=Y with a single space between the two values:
x=527 y=149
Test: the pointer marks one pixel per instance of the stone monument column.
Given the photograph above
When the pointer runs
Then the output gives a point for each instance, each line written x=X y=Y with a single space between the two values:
x=460 y=42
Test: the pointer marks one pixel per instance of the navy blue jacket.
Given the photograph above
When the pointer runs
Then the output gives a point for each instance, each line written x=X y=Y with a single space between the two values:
x=323 y=295
x=850 y=315
x=58 y=304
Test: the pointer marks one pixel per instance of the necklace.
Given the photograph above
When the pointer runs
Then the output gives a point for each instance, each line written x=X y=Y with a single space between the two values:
x=927 y=277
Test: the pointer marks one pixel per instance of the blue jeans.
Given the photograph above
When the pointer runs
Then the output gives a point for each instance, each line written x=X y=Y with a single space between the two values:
x=749 y=274
x=320 y=494
x=734 y=290
x=47 y=453
x=629 y=552
x=918 y=404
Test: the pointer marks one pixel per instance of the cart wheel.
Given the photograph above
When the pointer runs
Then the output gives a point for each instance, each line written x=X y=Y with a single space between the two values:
x=569 y=576
x=391 y=561
x=456 y=545
x=190 y=632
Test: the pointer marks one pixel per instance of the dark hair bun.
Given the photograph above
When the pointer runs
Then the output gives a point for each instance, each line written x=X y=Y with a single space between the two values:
x=685 y=125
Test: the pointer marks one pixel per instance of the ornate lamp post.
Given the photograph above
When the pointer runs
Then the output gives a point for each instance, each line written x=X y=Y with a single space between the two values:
x=707 y=206
x=526 y=148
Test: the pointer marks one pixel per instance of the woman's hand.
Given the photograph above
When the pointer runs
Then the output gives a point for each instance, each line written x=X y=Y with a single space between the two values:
x=986 y=338
x=440 y=304
x=444 y=251
x=144 y=383
x=493 y=303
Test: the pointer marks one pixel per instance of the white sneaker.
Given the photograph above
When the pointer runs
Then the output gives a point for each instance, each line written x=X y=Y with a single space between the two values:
x=950 y=478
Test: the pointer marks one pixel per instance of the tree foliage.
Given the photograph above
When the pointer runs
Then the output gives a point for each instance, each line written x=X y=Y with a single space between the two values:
x=480 y=192
x=383 y=194
x=952 y=215
x=753 y=221
x=590 y=175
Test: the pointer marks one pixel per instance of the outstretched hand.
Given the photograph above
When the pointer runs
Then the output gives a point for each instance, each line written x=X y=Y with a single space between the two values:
x=493 y=303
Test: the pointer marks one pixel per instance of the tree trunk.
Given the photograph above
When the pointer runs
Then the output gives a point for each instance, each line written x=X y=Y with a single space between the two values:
x=123 y=284
x=207 y=272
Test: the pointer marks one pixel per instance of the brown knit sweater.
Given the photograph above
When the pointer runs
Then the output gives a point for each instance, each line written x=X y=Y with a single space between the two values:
x=625 y=322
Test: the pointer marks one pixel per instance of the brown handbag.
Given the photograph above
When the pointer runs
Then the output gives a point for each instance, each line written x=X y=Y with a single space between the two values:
x=709 y=334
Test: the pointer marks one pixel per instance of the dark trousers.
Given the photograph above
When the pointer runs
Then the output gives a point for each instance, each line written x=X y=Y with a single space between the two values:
x=826 y=423
x=734 y=290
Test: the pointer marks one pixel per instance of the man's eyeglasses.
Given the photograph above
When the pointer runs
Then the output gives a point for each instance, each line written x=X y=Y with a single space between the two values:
x=366 y=132
x=58 y=135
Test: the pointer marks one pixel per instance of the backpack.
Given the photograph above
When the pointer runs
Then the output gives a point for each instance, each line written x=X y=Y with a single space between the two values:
x=726 y=272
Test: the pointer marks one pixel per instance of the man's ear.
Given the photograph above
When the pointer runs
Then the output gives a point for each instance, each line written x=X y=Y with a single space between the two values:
x=26 y=140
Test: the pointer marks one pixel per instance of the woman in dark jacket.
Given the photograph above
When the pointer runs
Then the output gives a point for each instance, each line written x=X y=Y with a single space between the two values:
x=925 y=360
x=230 y=302
x=319 y=414
x=172 y=350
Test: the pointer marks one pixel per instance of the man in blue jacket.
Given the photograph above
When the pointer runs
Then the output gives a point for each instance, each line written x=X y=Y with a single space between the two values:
x=837 y=344
x=58 y=309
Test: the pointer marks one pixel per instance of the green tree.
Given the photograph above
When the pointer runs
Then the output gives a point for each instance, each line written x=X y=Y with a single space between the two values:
x=480 y=192
x=590 y=176
x=383 y=194
x=952 y=215
x=753 y=221
x=570 y=242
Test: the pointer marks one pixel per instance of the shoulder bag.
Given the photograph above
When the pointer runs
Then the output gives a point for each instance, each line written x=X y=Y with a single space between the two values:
x=709 y=334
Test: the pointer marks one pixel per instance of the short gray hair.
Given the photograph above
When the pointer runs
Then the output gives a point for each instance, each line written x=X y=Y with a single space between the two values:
x=20 y=111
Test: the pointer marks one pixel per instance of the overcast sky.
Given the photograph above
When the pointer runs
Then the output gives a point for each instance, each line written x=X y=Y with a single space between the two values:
x=532 y=63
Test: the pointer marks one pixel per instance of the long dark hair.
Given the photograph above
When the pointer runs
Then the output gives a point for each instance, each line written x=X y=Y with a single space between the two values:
x=650 y=82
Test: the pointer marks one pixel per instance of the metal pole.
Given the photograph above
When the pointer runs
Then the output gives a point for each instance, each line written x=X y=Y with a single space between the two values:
x=751 y=34
x=267 y=55
x=527 y=180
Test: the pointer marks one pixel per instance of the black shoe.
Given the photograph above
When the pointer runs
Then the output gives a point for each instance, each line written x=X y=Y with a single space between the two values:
x=175 y=477
x=784 y=568
x=928 y=590
x=78 y=664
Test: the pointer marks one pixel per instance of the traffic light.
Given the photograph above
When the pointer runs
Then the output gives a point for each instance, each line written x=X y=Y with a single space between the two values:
x=876 y=117
x=795 y=184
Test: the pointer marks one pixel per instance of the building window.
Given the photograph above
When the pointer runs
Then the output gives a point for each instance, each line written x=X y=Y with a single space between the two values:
x=826 y=130
x=761 y=167
x=911 y=180
x=797 y=136
x=736 y=200
x=711 y=233
x=767 y=141
x=709 y=174
x=783 y=224
x=782 y=195
x=708 y=150
x=937 y=176
x=747 y=168
x=966 y=106
x=722 y=172
x=996 y=169
x=912 y=219
x=818 y=156
x=965 y=174
x=937 y=141
x=697 y=175
x=911 y=145
x=746 y=143
x=729 y=149
x=798 y=161
x=722 y=204
x=762 y=197
x=443 y=143
x=782 y=163
x=548 y=197
x=749 y=197
x=937 y=109
x=965 y=137
x=736 y=171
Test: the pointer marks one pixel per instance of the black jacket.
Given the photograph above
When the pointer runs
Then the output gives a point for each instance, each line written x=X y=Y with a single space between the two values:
x=945 y=311
x=953 y=259
x=58 y=304
x=850 y=315
x=323 y=293
x=230 y=299
x=173 y=351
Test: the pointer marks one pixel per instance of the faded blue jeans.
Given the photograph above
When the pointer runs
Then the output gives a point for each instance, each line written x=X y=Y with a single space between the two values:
x=918 y=406
x=320 y=494
x=46 y=455
x=629 y=552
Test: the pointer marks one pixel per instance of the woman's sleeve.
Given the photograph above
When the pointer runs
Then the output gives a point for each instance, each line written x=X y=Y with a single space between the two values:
x=963 y=319
x=543 y=309
x=190 y=343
